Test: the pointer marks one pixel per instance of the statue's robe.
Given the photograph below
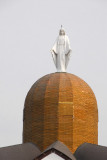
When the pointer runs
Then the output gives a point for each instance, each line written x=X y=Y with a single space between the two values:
x=61 y=53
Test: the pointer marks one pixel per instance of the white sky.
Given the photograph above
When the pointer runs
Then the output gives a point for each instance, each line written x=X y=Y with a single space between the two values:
x=28 y=29
x=53 y=156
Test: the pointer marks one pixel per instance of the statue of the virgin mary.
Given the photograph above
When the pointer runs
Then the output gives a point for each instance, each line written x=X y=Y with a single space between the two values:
x=61 y=51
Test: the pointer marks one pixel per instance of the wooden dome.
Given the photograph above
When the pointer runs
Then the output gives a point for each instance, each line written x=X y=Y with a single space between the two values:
x=60 y=106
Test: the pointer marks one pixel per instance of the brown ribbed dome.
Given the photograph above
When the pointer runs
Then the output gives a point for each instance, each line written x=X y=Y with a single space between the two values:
x=60 y=106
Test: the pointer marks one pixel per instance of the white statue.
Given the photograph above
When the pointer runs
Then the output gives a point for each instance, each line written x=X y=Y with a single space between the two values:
x=61 y=51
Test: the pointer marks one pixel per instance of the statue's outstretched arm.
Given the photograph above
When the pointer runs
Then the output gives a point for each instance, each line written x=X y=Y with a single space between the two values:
x=54 y=51
x=54 y=56
x=69 y=52
x=67 y=58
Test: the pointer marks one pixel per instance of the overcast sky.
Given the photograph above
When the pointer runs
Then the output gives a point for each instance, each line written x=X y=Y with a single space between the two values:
x=28 y=29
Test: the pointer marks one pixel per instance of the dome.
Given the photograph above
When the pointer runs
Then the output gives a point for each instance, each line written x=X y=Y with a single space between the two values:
x=60 y=106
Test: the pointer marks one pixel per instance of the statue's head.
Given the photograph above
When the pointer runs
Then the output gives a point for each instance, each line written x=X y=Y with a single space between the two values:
x=61 y=32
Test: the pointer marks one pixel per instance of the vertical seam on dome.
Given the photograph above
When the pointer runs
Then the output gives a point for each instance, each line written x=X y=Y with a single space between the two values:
x=73 y=107
x=64 y=101
x=53 y=93
x=44 y=105
x=42 y=145
x=28 y=105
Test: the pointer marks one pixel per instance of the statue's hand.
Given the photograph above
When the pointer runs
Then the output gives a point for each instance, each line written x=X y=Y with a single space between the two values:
x=51 y=50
